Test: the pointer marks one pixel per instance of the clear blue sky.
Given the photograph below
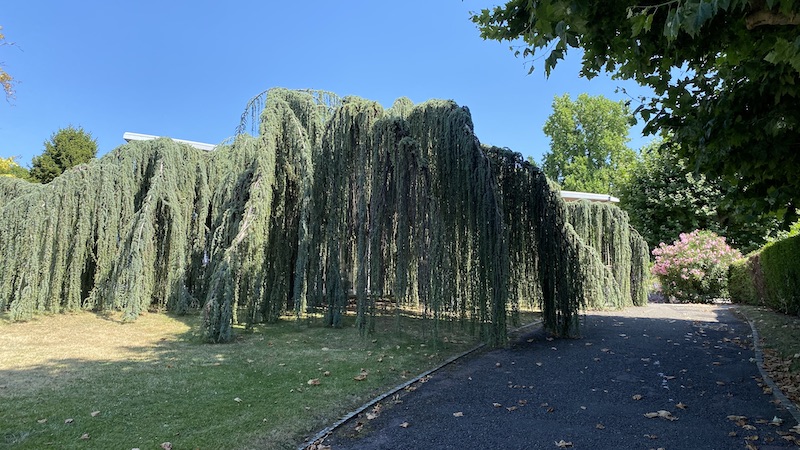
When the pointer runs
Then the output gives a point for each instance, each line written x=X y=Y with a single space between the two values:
x=186 y=69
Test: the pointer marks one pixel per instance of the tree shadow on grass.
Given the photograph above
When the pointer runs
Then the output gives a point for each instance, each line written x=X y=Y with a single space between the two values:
x=157 y=370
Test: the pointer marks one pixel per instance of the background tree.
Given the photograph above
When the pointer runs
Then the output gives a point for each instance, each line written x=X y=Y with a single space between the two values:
x=66 y=148
x=726 y=76
x=10 y=168
x=588 y=144
x=6 y=81
x=665 y=197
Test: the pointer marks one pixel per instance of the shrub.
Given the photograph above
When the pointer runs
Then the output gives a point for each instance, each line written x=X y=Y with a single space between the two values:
x=695 y=267
x=781 y=273
x=741 y=283
x=770 y=276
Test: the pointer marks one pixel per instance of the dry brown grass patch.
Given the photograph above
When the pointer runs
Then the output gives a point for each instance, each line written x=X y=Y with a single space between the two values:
x=51 y=348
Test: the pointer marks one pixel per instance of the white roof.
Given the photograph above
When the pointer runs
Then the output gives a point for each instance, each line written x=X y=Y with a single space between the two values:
x=571 y=196
x=128 y=136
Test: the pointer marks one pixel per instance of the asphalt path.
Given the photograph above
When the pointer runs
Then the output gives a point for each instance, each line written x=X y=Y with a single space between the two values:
x=692 y=367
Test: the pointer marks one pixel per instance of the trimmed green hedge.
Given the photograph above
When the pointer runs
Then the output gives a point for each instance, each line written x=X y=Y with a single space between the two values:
x=770 y=277
x=741 y=285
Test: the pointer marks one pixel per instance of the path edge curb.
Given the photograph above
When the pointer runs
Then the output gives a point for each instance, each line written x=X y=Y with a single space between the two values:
x=325 y=432
x=776 y=391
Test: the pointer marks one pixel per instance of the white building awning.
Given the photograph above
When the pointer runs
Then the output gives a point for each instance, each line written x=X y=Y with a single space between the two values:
x=573 y=196
x=128 y=136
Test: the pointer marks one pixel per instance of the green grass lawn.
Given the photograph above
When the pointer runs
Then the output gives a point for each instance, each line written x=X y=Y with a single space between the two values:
x=88 y=381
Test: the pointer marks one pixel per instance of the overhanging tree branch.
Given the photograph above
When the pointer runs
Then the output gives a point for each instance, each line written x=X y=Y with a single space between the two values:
x=763 y=17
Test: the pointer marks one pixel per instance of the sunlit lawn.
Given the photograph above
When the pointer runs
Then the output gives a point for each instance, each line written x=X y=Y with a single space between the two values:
x=88 y=381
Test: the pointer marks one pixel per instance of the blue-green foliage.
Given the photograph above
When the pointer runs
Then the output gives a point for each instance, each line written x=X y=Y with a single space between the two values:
x=622 y=253
x=332 y=202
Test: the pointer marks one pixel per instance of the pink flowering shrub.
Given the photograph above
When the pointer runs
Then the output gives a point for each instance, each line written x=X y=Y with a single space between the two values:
x=695 y=267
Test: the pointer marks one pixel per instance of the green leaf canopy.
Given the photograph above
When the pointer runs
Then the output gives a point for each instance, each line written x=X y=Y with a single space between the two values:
x=726 y=75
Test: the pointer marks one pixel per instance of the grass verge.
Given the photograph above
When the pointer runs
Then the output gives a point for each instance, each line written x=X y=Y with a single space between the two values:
x=780 y=341
x=88 y=381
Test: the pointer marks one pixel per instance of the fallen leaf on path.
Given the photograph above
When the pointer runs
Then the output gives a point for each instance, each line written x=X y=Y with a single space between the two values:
x=681 y=405
x=85 y=436
x=733 y=434
x=371 y=416
x=95 y=413
x=496 y=405
x=237 y=400
x=458 y=414
x=735 y=418
x=563 y=444
x=69 y=420
x=404 y=425
x=751 y=438
x=777 y=421
x=600 y=426
x=637 y=397
x=662 y=414
x=651 y=436
x=511 y=408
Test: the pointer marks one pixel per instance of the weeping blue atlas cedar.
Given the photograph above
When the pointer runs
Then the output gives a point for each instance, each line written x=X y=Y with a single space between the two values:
x=336 y=203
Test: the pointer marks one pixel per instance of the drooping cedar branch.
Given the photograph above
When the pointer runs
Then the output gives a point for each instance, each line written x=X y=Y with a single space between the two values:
x=334 y=200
